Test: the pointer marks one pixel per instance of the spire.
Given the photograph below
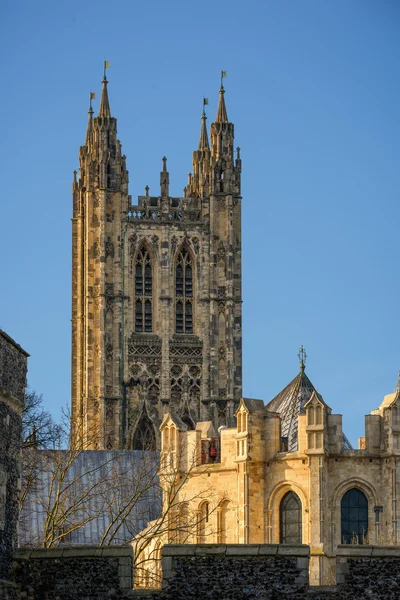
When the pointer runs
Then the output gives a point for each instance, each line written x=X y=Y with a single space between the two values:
x=89 y=129
x=222 y=115
x=203 y=142
x=104 y=110
x=164 y=179
x=398 y=384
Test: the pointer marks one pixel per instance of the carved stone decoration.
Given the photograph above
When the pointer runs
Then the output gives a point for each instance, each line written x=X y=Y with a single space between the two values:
x=96 y=290
x=174 y=243
x=154 y=241
x=196 y=245
x=176 y=370
x=109 y=350
x=221 y=407
x=147 y=347
x=154 y=370
x=109 y=444
x=96 y=351
x=96 y=200
x=96 y=249
x=222 y=352
x=109 y=249
x=109 y=391
x=221 y=252
x=222 y=393
x=109 y=289
x=109 y=303
x=136 y=369
x=132 y=244
x=95 y=220
x=97 y=303
x=95 y=406
x=221 y=292
x=109 y=412
x=221 y=308
x=221 y=203
x=108 y=199
x=96 y=392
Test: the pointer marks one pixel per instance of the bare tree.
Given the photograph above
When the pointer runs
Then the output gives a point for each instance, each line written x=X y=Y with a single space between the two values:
x=38 y=426
x=63 y=491
x=185 y=515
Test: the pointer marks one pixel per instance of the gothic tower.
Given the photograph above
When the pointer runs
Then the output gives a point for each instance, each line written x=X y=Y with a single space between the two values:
x=156 y=291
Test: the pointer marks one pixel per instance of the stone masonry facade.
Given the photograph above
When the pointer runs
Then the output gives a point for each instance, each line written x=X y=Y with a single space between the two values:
x=156 y=306
x=321 y=492
x=13 y=368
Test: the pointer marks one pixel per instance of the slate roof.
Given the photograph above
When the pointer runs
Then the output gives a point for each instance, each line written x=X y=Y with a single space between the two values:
x=289 y=403
x=87 y=468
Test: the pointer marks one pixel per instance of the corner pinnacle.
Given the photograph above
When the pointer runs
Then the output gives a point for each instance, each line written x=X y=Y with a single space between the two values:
x=222 y=115
x=104 y=110
x=203 y=142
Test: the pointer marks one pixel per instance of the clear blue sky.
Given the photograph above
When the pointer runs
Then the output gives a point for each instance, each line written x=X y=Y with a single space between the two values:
x=313 y=88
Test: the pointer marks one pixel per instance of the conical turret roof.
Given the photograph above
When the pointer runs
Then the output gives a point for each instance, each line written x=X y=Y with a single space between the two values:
x=290 y=402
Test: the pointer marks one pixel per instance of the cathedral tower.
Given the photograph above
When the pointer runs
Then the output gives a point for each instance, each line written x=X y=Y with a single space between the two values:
x=156 y=300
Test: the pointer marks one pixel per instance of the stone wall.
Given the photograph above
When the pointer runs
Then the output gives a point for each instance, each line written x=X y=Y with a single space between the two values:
x=234 y=571
x=92 y=573
x=215 y=572
x=13 y=366
x=368 y=572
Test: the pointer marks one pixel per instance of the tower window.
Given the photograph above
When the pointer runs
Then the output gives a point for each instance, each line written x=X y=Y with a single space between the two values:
x=143 y=292
x=184 y=293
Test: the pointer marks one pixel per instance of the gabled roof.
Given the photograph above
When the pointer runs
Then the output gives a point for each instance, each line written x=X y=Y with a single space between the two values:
x=171 y=417
x=319 y=398
x=251 y=405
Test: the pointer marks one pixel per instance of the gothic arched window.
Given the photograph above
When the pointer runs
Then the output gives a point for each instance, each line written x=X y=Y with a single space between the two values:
x=184 y=293
x=354 y=514
x=290 y=519
x=143 y=292
x=144 y=437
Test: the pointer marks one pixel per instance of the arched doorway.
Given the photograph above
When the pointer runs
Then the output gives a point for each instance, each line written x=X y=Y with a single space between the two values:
x=354 y=517
x=290 y=519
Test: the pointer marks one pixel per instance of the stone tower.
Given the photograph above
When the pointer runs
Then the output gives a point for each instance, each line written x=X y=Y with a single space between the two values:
x=156 y=290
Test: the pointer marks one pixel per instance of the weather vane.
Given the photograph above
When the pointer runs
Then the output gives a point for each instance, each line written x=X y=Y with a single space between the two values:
x=106 y=66
x=302 y=356
x=223 y=75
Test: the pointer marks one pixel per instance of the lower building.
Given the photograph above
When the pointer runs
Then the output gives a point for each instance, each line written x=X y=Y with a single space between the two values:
x=286 y=474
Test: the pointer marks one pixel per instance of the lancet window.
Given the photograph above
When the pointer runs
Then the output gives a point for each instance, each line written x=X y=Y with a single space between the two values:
x=184 y=293
x=290 y=519
x=143 y=292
